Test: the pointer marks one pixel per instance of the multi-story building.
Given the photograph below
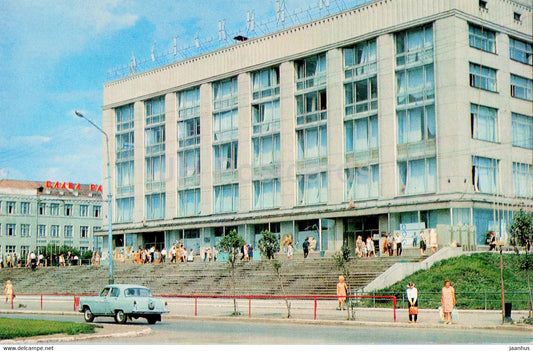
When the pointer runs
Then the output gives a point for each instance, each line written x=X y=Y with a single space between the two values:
x=391 y=113
x=35 y=214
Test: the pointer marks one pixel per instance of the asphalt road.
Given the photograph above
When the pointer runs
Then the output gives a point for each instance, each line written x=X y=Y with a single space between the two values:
x=176 y=331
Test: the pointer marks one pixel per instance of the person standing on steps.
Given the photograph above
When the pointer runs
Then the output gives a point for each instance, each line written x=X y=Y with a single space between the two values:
x=342 y=289
x=305 y=247
x=412 y=297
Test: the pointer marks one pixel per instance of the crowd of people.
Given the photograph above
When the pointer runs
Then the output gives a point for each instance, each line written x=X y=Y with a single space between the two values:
x=34 y=260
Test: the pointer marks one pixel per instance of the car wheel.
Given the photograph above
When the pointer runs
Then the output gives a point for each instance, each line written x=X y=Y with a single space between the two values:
x=151 y=320
x=88 y=315
x=120 y=317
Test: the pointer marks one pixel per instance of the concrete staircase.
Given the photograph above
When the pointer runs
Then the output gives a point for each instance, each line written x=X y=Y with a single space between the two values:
x=311 y=276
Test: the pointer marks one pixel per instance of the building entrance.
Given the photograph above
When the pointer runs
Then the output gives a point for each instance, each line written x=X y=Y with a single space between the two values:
x=367 y=226
x=156 y=239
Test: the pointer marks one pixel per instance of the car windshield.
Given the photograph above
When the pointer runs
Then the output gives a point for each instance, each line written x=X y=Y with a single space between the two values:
x=105 y=292
x=137 y=292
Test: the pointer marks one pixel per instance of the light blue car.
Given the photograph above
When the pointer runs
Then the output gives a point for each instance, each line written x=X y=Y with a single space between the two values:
x=123 y=301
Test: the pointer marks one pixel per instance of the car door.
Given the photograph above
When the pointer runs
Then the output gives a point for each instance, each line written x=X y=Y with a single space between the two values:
x=98 y=307
x=111 y=301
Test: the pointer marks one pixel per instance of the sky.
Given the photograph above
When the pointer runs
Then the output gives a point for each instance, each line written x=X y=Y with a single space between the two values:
x=56 y=55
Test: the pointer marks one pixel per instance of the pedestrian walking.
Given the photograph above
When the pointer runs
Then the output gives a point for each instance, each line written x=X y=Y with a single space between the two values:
x=9 y=292
x=305 y=247
x=422 y=243
x=342 y=289
x=447 y=301
x=289 y=250
x=412 y=297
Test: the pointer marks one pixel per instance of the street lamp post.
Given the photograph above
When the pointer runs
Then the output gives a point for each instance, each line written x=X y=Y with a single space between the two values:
x=109 y=196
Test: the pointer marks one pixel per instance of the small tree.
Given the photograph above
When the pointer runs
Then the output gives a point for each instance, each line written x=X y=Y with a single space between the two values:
x=521 y=229
x=232 y=242
x=269 y=245
x=342 y=259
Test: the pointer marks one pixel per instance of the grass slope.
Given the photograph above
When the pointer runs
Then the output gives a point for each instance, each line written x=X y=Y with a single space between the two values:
x=11 y=328
x=476 y=279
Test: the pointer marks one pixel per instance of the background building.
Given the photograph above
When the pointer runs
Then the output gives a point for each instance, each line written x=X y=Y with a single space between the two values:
x=394 y=115
x=35 y=214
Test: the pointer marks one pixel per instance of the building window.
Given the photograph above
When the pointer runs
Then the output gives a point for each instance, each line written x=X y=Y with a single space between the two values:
x=42 y=209
x=484 y=123
x=360 y=59
x=522 y=131
x=523 y=180
x=311 y=72
x=265 y=117
x=54 y=231
x=54 y=209
x=483 y=4
x=482 y=77
x=189 y=103
x=67 y=230
x=361 y=96
x=189 y=202
x=25 y=207
x=24 y=230
x=24 y=251
x=415 y=85
x=125 y=210
x=125 y=146
x=482 y=38
x=97 y=210
x=485 y=175
x=10 y=207
x=155 y=173
x=266 y=150
x=311 y=107
x=416 y=124
x=521 y=51
x=84 y=210
x=226 y=198
x=517 y=17
x=11 y=229
x=154 y=138
x=312 y=142
x=155 y=206
x=189 y=163
x=267 y=194
x=124 y=117
x=84 y=232
x=361 y=134
x=312 y=188
x=265 y=83
x=414 y=46
x=189 y=132
x=417 y=176
x=41 y=231
x=125 y=175
x=521 y=87
x=67 y=210
x=10 y=249
x=225 y=94
x=361 y=182
x=155 y=110
x=225 y=124
x=225 y=156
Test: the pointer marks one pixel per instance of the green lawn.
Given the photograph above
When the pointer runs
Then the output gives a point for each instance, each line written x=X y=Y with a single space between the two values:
x=16 y=328
x=476 y=280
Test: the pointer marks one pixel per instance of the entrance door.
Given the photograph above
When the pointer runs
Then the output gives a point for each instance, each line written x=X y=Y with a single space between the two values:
x=156 y=239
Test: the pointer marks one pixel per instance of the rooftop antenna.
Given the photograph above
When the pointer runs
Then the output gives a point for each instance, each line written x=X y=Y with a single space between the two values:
x=175 y=45
x=322 y=3
x=280 y=11
x=250 y=21
x=222 y=30
x=196 y=41
x=153 y=51
x=133 y=64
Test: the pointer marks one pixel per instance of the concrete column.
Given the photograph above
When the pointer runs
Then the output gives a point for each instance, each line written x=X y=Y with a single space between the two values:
x=171 y=155
x=206 y=149
x=287 y=135
x=245 y=143
x=386 y=117
x=335 y=127
x=138 y=161
x=108 y=122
